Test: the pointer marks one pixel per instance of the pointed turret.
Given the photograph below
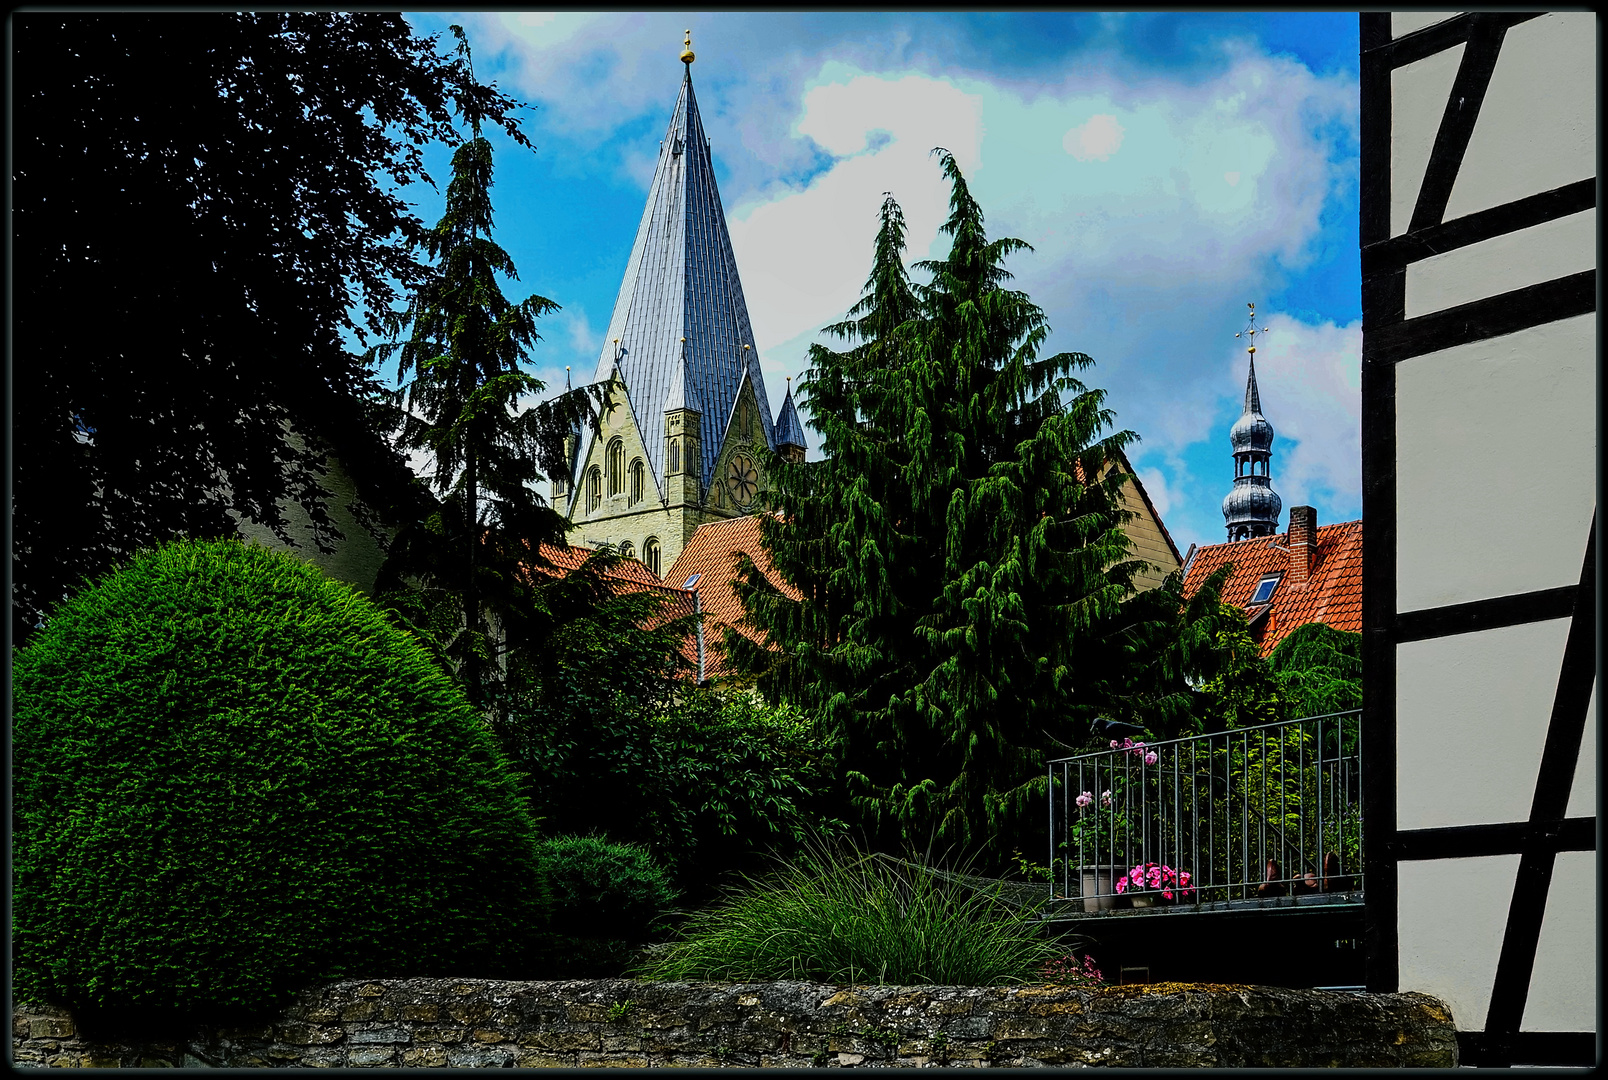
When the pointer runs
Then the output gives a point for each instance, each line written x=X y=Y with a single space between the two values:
x=1252 y=508
x=681 y=281
x=789 y=432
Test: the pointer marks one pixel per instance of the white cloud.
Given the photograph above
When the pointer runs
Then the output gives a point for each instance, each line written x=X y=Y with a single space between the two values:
x=1174 y=199
x=1155 y=482
x=1094 y=140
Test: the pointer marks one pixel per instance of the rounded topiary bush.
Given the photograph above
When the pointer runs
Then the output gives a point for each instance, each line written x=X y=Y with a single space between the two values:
x=234 y=777
x=607 y=898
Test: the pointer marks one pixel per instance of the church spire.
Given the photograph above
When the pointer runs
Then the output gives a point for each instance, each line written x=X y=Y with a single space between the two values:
x=681 y=282
x=1252 y=508
x=789 y=432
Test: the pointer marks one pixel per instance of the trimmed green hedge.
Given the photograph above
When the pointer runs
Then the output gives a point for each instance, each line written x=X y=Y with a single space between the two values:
x=234 y=777
x=607 y=901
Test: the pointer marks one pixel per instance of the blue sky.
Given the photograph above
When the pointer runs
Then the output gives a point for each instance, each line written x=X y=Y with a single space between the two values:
x=1166 y=167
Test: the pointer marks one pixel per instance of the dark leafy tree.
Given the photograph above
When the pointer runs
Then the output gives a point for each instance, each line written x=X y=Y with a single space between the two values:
x=964 y=574
x=202 y=206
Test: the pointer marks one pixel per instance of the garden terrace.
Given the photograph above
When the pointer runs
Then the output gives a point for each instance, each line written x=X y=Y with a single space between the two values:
x=1258 y=817
x=1248 y=841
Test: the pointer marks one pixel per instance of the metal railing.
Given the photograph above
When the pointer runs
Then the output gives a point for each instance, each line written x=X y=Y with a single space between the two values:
x=1242 y=815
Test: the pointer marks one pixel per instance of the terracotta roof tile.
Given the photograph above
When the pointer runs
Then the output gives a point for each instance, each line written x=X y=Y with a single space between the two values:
x=1332 y=593
x=629 y=575
x=712 y=553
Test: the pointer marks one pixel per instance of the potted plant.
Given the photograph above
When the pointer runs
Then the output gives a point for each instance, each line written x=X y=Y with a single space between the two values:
x=1099 y=836
x=1149 y=883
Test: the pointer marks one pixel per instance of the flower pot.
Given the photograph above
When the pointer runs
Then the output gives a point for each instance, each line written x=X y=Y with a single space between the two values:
x=1097 y=891
x=1142 y=900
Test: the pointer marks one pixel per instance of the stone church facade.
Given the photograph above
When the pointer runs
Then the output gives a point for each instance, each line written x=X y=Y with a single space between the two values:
x=687 y=425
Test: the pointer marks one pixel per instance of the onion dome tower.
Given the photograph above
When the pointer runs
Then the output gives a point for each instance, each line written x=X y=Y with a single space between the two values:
x=1252 y=508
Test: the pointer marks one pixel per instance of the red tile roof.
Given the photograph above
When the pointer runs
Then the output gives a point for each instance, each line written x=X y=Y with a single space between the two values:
x=1332 y=593
x=629 y=575
x=712 y=553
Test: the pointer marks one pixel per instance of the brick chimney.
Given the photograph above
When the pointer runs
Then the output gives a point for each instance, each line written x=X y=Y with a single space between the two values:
x=1303 y=543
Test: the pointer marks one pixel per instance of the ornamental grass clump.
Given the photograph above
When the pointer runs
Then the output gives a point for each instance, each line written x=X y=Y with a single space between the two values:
x=233 y=777
x=836 y=915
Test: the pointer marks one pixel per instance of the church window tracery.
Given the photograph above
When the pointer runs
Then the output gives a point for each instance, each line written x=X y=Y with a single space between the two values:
x=650 y=554
x=594 y=489
x=637 y=477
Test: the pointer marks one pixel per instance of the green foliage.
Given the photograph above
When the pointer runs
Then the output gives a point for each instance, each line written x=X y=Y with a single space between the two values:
x=839 y=916
x=1243 y=691
x=706 y=781
x=233 y=777
x=222 y=192
x=747 y=778
x=967 y=589
x=1319 y=669
x=579 y=717
x=606 y=900
x=468 y=563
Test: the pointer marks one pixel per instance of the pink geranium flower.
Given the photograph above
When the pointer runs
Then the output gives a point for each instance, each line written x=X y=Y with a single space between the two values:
x=1084 y=800
x=1150 y=758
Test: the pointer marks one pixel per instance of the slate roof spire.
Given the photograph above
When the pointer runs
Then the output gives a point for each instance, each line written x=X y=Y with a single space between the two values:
x=789 y=432
x=681 y=281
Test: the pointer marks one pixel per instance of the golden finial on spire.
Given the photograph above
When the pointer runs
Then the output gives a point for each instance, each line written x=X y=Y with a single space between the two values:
x=1250 y=331
x=687 y=56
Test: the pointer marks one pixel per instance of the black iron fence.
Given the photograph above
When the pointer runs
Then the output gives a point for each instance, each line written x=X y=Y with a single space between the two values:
x=1248 y=814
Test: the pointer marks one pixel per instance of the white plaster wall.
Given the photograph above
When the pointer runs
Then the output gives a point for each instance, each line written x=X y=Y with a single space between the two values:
x=1583 y=791
x=1405 y=22
x=1563 y=986
x=1472 y=712
x=1544 y=252
x=1418 y=95
x=1451 y=914
x=1496 y=465
x=1537 y=128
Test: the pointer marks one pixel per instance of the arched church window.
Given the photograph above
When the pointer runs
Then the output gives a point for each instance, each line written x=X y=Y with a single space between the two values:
x=616 y=467
x=627 y=549
x=594 y=489
x=675 y=456
x=650 y=554
x=637 y=477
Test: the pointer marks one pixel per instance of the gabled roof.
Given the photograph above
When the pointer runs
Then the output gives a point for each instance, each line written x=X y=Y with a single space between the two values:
x=1332 y=593
x=681 y=282
x=627 y=576
x=712 y=553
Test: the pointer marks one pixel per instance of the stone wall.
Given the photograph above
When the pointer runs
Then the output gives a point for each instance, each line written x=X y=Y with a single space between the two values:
x=468 y=1023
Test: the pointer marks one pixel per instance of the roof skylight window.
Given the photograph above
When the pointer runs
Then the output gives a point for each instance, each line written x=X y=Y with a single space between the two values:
x=693 y=580
x=1264 y=589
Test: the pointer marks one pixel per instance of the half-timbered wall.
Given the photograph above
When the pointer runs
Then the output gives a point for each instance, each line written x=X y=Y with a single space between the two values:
x=1480 y=492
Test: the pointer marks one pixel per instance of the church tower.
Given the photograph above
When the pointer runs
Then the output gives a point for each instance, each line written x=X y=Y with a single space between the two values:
x=688 y=425
x=1252 y=508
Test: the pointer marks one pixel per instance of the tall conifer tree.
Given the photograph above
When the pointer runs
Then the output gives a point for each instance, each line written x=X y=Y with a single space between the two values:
x=959 y=550
x=466 y=348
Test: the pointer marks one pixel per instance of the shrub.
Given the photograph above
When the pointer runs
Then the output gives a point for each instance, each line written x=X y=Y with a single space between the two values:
x=839 y=916
x=233 y=777
x=607 y=899
x=746 y=779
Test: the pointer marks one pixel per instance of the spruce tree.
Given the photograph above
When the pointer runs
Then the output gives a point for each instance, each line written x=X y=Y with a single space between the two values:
x=466 y=348
x=959 y=551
